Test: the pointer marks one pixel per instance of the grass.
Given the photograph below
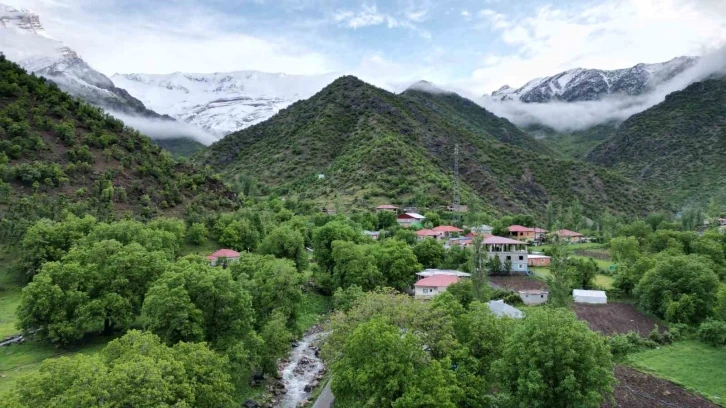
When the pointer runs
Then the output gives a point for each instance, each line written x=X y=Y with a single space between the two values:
x=313 y=307
x=694 y=365
x=604 y=281
x=205 y=249
x=10 y=289
x=18 y=361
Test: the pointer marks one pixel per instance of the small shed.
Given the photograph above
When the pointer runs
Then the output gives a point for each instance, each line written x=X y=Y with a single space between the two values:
x=589 y=296
x=501 y=309
x=538 y=260
x=533 y=296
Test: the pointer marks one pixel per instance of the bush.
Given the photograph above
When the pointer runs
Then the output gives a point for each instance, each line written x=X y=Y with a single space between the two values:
x=509 y=297
x=623 y=344
x=679 y=331
x=713 y=332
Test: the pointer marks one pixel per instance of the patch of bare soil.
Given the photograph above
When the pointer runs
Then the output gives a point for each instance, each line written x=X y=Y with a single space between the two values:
x=615 y=318
x=639 y=390
x=516 y=283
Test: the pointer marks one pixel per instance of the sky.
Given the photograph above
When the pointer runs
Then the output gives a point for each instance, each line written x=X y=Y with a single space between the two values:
x=477 y=46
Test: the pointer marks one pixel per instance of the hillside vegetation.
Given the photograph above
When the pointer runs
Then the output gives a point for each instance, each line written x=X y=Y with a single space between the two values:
x=574 y=144
x=58 y=153
x=361 y=145
x=677 y=147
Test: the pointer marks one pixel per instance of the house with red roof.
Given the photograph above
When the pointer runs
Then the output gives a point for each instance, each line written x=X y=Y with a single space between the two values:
x=223 y=256
x=427 y=288
x=427 y=233
x=521 y=233
x=447 y=231
x=387 y=207
x=570 y=236
x=410 y=219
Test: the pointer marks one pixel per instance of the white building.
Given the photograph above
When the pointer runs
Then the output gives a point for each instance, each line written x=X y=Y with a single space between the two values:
x=434 y=272
x=508 y=250
x=589 y=296
x=429 y=287
x=501 y=309
x=534 y=296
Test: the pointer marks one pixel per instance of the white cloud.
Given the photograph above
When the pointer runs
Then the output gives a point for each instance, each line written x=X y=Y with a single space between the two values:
x=608 y=35
x=465 y=13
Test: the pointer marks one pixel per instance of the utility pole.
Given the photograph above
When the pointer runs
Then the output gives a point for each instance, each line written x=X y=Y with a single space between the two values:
x=457 y=198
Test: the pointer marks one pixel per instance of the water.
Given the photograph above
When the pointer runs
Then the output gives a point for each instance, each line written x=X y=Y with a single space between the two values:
x=300 y=370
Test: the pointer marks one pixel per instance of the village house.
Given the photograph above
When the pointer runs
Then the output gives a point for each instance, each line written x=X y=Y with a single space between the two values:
x=570 y=236
x=447 y=231
x=431 y=286
x=410 y=219
x=533 y=296
x=521 y=233
x=427 y=233
x=538 y=260
x=222 y=257
x=372 y=234
x=387 y=207
x=508 y=250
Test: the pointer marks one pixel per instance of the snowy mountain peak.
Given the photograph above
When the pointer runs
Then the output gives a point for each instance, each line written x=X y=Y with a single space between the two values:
x=23 y=20
x=221 y=102
x=582 y=84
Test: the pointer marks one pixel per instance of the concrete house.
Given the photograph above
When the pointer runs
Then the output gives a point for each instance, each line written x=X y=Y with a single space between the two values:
x=427 y=288
x=570 y=236
x=410 y=219
x=533 y=296
x=538 y=260
x=447 y=231
x=508 y=249
x=387 y=207
x=223 y=256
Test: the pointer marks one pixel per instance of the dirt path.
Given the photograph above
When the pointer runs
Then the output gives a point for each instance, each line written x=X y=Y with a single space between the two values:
x=614 y=318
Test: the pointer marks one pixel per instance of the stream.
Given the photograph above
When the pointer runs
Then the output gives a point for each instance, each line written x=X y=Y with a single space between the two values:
x=302 y=369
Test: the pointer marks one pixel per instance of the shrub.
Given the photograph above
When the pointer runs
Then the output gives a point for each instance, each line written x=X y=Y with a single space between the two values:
x=713 y=332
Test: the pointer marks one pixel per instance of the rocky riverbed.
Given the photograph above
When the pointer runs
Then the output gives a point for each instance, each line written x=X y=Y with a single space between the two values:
x=303 y=370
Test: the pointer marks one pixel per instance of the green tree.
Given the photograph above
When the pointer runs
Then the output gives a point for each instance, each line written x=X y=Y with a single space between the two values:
x=344 y=299
x=624 y=250
x=429 y=252
x=583 y=272
x=397 y=263
x=276 y=342
x=385 y=219
x=680 y=289
x=285 y=242
x=434 y=218
x=240 y=235
x=406 y=235
x=355 y=265
x=276 y=286
x=323 y=238
x=401 y=374
x=134 y=370
x=197 y=233
x=536 y=370
x=98 y=286
x=627 y=277
x=559 y=282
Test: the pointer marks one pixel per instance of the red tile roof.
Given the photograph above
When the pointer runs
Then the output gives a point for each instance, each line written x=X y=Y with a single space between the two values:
x=568 y=233
x=427 y=233
x=437 y=281
x=447 y=228
x=386 y=207
x=411 y=215
x=223 y=253
x=519 y=228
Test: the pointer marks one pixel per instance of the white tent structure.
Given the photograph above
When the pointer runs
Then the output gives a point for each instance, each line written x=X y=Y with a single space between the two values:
x=589 y=296
x=500 y=309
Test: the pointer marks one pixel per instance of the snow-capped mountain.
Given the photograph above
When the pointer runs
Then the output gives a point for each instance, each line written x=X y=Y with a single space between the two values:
x=221 y=102
x=24 y=40
x=580 y=84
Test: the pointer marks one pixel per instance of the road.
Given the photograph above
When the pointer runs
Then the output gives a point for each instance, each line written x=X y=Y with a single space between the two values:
x=326 y=398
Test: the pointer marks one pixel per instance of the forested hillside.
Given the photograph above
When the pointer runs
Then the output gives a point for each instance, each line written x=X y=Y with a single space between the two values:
x=58 y=153
x=359 y=144
x=677 y=147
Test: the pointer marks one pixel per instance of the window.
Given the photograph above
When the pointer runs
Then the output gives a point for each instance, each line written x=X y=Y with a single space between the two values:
x=521 y=257
x=509 y=258
x=521 y=266
x=541 y=296
x=428 y=291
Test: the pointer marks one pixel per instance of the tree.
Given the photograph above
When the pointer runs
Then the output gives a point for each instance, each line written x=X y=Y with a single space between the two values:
x=285 y=242
x=240 y=235
x=197 y=233
x=680 y=289
x=134 y=370
x=627 y=277
x=583 y=272
x=276 y=338
x=429 y=252
x=463 y=291
x=406 y=235
x=434 y=218
x=344 y=299
x=494 y=265
x=624 y=250
x=536 y=370
x=720 y=309
x=401 y=374
x=355 y=265
x=323 y=238
x=397 y=263
x=385 y=219
x=559 y=282
x=479 y=266
x=276 y=287
x=98 y=286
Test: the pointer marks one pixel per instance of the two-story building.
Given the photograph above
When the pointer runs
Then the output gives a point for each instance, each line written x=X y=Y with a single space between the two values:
x=570 y=236
x=410 y=219
x=508 y=250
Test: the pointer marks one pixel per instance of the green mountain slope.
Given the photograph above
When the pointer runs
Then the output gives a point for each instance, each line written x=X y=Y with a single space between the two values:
x=677 y=147
x=364 y=145
x=58 y=153
x=574 y=144
x=179 y=146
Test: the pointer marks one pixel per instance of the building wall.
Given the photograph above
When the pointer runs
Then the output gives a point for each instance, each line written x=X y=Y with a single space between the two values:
x=427 y=292
x=539 y=261
x=518 y=265
x=532 y=299
x=407 y=222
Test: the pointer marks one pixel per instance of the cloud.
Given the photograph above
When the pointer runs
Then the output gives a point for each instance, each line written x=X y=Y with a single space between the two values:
x=565 y=117
x=165 y=129
x=369 y=15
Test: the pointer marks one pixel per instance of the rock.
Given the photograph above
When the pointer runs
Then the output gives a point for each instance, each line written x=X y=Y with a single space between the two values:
x=250 y=403
x=308 y=388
